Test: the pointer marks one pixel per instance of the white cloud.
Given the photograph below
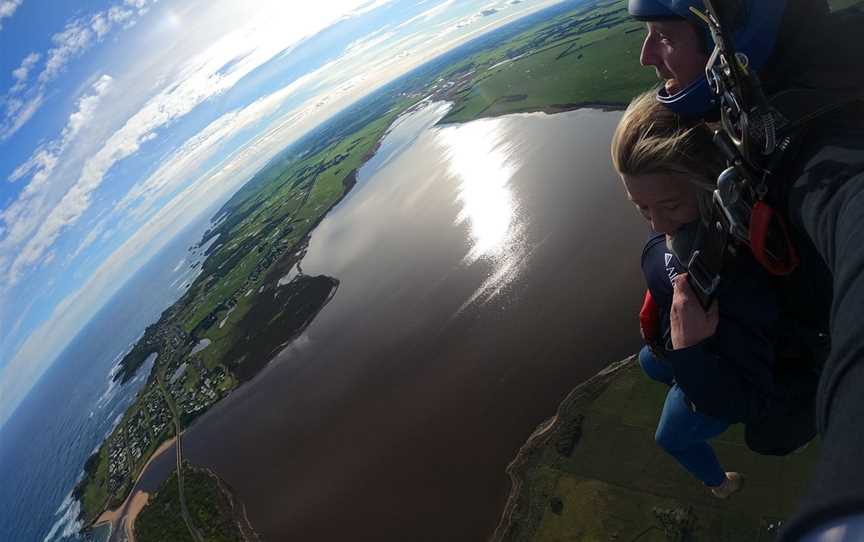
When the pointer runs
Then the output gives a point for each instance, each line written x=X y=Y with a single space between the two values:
x=428 y=14
x=42 y=162
x=21 y=73
x=77 y=36
x=117 y=14
x=369 y=6
x=27 y=213
x=17 y=117
x=183 y=163
x=70 y=42
x=7 y=9
x=201 y=78
x=91 y=237
x=369 y=42
x=86 y=109
x=100 y=25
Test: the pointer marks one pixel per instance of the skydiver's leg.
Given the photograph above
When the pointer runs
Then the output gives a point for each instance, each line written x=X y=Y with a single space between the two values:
x=655 y=368
x=684 y=433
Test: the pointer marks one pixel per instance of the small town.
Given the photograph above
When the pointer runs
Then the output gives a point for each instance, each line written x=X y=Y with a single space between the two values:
x=192 y=388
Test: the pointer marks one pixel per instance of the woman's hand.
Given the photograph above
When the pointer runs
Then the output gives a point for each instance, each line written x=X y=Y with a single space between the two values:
x=689 y=321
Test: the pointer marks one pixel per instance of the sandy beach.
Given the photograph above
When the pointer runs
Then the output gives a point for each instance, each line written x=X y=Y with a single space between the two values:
x=138 y=502
x=128 y=508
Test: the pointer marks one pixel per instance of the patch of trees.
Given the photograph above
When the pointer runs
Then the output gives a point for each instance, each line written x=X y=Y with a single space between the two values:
x=209 y=509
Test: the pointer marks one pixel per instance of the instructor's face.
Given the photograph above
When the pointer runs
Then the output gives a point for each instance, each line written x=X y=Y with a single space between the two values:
x=674 y=48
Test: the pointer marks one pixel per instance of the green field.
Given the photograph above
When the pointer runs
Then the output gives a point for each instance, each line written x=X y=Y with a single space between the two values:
x=599 y=475
x=95 y=495
x=589 y=56
x=586 y=57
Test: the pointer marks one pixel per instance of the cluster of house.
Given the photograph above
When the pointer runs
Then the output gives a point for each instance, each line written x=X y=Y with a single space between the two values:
x=118 y=460
x=158 y=412
x=134 y=437
x=197 y=396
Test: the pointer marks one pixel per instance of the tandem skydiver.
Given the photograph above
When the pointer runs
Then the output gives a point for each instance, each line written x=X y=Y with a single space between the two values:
x=719 y=364
x=802 y=65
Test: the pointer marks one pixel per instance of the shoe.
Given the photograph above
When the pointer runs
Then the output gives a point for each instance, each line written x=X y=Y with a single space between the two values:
x=802 y=448
x=732 y=483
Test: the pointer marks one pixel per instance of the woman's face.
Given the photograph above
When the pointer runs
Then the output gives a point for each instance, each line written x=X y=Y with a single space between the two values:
x=667 y=201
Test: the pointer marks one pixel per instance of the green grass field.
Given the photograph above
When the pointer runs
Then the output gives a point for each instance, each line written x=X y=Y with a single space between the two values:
x=616 y=482
x=589 y=56
x=586 y=57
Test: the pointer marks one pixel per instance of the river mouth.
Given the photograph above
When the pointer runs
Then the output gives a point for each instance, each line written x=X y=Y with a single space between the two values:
x=483 y=271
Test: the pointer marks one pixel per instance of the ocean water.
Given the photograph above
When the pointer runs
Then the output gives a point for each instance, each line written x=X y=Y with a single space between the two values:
x=76 y=404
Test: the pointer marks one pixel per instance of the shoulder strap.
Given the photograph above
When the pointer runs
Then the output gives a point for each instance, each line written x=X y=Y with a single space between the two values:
x=799 y=106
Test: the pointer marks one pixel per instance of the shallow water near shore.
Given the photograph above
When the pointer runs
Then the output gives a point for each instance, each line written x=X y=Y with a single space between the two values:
x=101 y=533
x=485 y=269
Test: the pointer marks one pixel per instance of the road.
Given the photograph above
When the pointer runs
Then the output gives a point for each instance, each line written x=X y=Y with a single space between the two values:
x=184 y=510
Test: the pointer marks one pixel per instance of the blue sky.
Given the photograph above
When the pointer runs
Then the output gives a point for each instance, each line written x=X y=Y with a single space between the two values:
x=122 y=121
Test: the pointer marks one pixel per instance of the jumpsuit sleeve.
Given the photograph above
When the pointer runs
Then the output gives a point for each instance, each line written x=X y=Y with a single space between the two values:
x=827 y=202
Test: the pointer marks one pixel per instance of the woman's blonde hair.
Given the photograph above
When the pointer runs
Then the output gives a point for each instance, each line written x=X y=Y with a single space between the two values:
x=651 y=139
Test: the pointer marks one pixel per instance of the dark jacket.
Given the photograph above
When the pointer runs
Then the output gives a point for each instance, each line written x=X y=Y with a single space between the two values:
x=826 y=208
x=729 y=375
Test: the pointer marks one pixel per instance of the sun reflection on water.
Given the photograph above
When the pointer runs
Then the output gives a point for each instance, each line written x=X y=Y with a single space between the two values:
x=483 y=159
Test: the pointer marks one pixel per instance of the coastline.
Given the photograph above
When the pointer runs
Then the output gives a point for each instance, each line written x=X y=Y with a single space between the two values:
x=567 y=485
x=112 y=517
x=139 y=501
x=549 y=109
x=241 y=517
x=517 y=468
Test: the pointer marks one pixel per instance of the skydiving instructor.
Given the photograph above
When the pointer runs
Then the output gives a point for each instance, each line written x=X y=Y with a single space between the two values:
x=799 y=48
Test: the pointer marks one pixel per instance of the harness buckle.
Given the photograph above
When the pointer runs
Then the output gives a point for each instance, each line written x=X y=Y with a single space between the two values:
x=734 y=206
x=702 y=279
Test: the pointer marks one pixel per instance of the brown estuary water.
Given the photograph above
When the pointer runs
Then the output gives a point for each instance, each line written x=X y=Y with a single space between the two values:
x=484 y=270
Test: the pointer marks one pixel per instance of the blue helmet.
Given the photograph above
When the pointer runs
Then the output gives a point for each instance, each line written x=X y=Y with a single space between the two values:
x=755 y=36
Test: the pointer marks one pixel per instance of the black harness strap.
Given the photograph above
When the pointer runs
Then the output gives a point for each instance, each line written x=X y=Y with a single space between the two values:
x=768 y=236
x=797 y=107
